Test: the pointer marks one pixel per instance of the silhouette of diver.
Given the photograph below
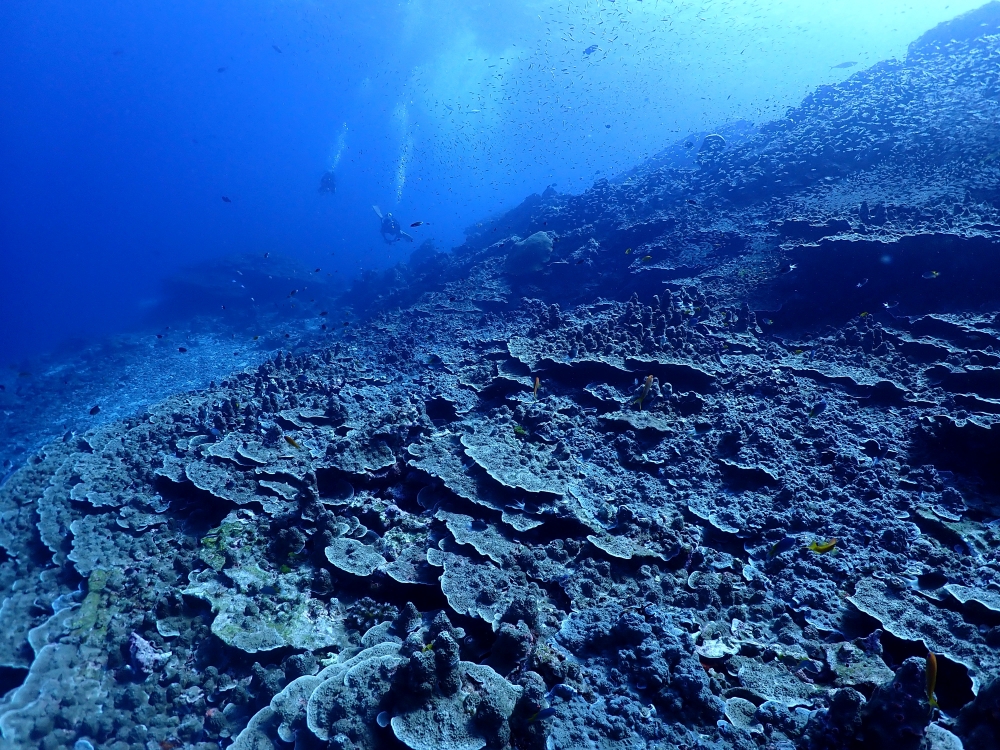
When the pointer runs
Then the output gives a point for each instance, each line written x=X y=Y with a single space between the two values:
x=328 y=182
x=390 y=229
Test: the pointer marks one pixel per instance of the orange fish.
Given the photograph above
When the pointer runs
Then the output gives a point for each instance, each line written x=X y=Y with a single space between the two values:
x=931 y=678
x=645 y=391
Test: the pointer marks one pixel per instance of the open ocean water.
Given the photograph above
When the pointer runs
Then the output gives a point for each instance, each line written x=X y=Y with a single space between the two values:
x=524 y=375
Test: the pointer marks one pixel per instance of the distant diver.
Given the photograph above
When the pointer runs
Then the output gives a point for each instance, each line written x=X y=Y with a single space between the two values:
x=328 y=182
x=391 y=230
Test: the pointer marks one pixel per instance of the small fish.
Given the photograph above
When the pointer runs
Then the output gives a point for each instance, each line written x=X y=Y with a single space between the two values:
x=292 y=442
x=293 y=292
x=433 y=360
x=645 y=391
x=688 y=144
x=591 y=49
x=823 y=547
x=864 y=314
x=276 y=48
x=159 y=335
x=538 y=384
x=182 y=349
x=930 y=275
x=818 y=408
x=267 y=254
x=418 y=223
x=322 y=313
x=3 y=387
x=95 y=411
x=843 y=65
x=256 y=337
x=543 y=714
x=225 y=199
x=692 y=201
x=647 y=258
x=222 y=70
x=781 y=546
x=560 y=690
x=861 y=283
x=628 y=251
x=317 y=270
x=890 y=305
x=931 y=678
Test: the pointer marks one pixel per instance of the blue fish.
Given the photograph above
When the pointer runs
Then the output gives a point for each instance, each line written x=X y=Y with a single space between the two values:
x=591 y=49
x=780 y=547
x=543 y=714
x=818 y=408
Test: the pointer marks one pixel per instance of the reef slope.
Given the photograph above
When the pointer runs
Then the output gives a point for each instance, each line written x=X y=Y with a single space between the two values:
x=710 y=465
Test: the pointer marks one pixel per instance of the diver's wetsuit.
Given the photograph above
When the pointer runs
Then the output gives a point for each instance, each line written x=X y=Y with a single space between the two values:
x=391 y=231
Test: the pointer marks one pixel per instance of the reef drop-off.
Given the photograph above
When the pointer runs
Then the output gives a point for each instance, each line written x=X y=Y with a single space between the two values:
x=703 y=457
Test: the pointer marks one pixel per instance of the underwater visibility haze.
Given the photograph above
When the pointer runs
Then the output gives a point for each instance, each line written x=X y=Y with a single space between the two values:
x=526 y=375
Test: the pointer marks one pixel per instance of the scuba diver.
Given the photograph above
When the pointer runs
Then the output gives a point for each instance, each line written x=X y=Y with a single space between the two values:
x=390 y=229
x=328 y=182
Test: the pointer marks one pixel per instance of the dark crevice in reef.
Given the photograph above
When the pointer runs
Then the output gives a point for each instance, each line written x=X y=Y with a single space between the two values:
x=440 y=410
x=198 y=509
x=954 y=688
x=11 y=677
x=961 y=446
x=836 y=279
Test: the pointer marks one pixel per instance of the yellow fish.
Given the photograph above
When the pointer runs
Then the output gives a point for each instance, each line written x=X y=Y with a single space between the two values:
x=645 y=391
x=292 y=442
x=931 y=678
x=538 y=384
x=629 y=251
x=823 y=547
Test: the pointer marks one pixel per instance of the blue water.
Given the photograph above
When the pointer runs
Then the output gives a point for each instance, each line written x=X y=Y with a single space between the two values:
x=123 y=125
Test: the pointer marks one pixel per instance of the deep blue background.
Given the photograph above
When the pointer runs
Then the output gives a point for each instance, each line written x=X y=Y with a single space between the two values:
x=119 y=135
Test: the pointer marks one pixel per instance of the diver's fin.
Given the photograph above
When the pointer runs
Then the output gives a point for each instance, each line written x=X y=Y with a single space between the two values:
x=378 y=211
x=406 y=237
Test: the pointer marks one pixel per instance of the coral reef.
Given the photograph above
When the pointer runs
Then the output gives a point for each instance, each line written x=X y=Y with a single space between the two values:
x=549 y=495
